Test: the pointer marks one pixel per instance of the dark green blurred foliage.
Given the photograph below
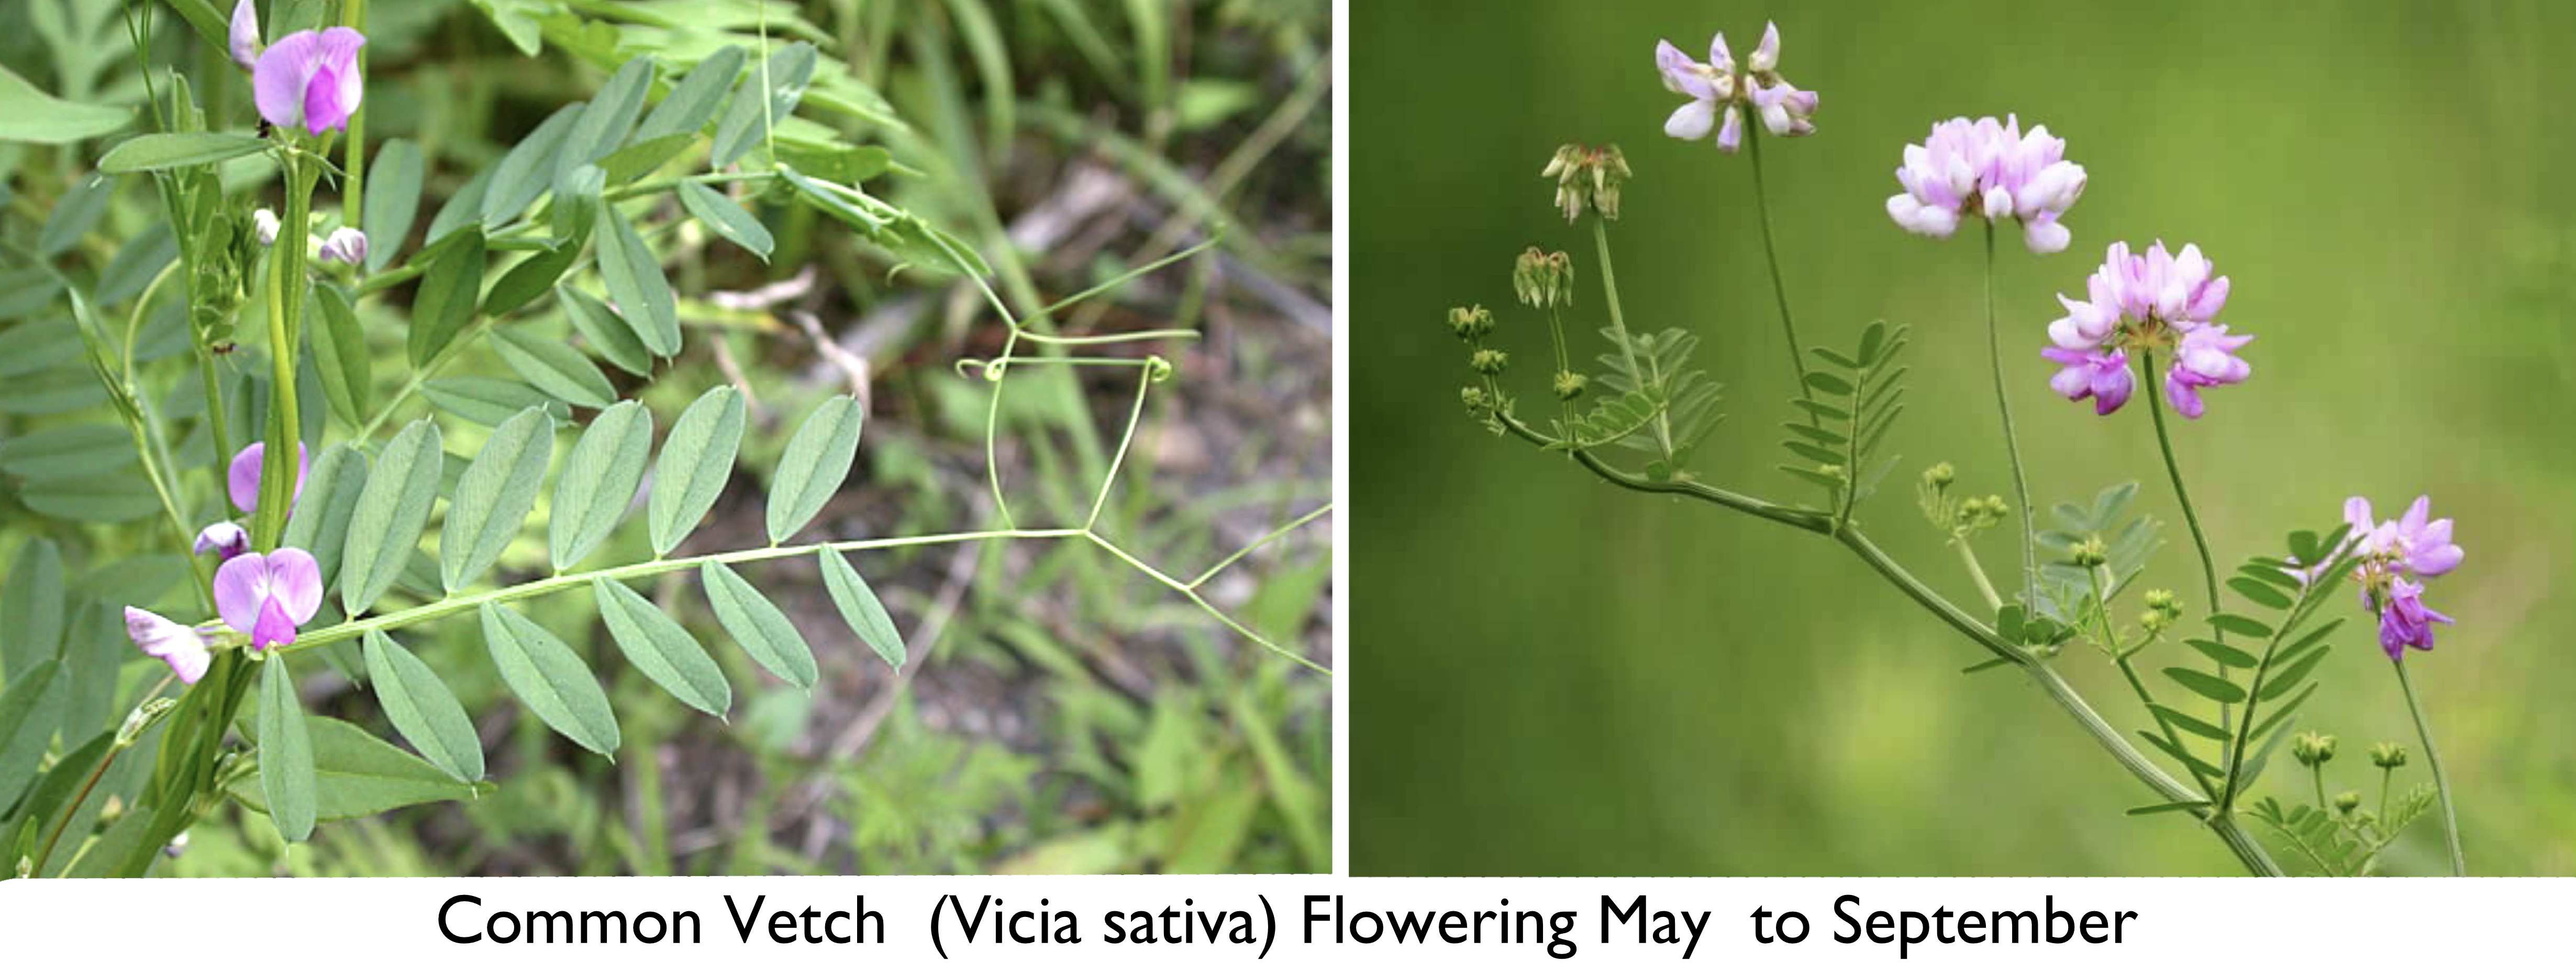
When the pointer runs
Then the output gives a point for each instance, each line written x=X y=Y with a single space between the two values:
x=1559 y=677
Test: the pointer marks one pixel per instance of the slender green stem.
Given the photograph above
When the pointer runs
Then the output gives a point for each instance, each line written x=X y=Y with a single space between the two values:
x=1771 y=251
x=2012 y=442
x=1564 y=365
x=1977 y=574
x=1135 y=415
x=353 y=193
x=2385 y=774
x=2317 y=774
x=1257 y=544
x=2182 y=497
x=1619 y=321
x=286 y=292
x=2441 y=782
x=2247 y=851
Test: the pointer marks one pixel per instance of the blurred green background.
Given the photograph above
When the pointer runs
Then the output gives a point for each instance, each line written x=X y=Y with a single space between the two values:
x=1553 y=676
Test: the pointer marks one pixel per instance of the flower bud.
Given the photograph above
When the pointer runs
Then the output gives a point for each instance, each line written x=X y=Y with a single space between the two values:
x=2089 y=553
x=1587 y=176
x=2389 y=755
x=1490 y=361
x=1940 y=476
x=1569 y=385
x=1474 y=399
x=1471 y=323
x=2345 y=802
x=2312 y=749
x=2163 y=600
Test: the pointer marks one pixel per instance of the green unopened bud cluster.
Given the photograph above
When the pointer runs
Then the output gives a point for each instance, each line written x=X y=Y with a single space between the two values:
x=2163 y=610
x=2312 y=749
x=1471 y=323
x=2092 y=552
x=1570 y=385
x=1961 y=517
x=1489 y=361
x=1587 y=177
x=1544 y=280
x=2388 y=755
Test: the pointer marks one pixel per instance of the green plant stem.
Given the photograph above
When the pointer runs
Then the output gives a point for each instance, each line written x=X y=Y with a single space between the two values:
x=286 y=292
x=1258 y=543
x=2182 y=497
x=2012 y=442
x=2243 y=846
x=1977 y=574
x=353 y=193
x=1771 y=251
x=2441 y=782
x=2385 y=774
x=1564 y=365
x=1619 y=321
x=1135 y=415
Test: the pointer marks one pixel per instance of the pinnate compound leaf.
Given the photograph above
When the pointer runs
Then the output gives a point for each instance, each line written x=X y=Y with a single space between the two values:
x=496 y=493
x=285 y=752
x=667 y=654
x=422 y=708
x=861 y=609
x=599 y=482
x=816 y=462
x=384 y=528
x=696 y=461
x=550 y=678
x=754 y=622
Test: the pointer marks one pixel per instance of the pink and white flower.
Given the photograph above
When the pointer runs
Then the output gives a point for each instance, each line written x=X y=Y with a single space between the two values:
x=1723 y=90
x=1990 y=169
x=2151 y=302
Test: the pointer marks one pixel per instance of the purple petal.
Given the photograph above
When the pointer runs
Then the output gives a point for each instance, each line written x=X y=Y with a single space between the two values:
x=242 y=479
x=223 y=538
x=169 y=642
x=1680 y=75
x=241 y=586
x=245 y=40
x=283 y=72
x=323 y=109
x=295 y=580
x=1692 y=120
x=2186 y=399
x=273 y=628
x=1730 y=135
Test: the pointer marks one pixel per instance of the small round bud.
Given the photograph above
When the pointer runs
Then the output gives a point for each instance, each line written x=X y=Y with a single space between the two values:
x=1475 y=399
x=2345 y=802
x=2388 y=754
x=2365 y=819
x=1834 y=470
x=1569 y=385
x=2312 y=749
x=2090 y=552
x=1940 y=476
x=1471 y=323
x=2162 y=600
x=1490 y=361
x=2152 y=620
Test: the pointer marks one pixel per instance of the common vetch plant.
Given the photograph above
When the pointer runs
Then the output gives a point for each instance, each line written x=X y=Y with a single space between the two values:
x=251 y=323
x=2221 y=674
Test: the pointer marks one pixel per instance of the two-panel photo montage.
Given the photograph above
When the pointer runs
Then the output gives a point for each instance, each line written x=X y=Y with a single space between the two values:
x=484 y=438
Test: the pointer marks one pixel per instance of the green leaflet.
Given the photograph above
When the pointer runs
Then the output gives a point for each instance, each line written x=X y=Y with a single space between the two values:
x=423 y=709
x=599 y=481
x=64 y=451
x=30 y=115
x=860 y=608
x=79 y=210
x=384 y=529
x=285 y=752
x=329 y=500
x=727 y=218
x=359 y=774
x=462 y=210
x=495 y=495
x=488 y=402
x=554 y=368
x=611 y=115
x=29 y=711
x=754 y=622
x=607 y=332
x=816 y=462
x=633 y=273
x=446 y=299
x=529 y=169
x=579 y=194
x=550 y=678
x=746 y=124
x=340 y=347
x=664 y=651
x=171 y=150
x=527 y=279
x=696 y=461
x=695 y=99
x=2206 y=685
x=31 y=608
x=393 y=200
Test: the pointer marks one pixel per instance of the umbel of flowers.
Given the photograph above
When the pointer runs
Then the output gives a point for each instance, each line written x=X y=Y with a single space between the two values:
x=2151 y=302
x=1721 y=90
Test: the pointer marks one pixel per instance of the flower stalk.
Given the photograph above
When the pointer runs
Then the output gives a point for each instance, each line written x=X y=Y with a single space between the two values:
x=2433 y=758
x=2012 y=440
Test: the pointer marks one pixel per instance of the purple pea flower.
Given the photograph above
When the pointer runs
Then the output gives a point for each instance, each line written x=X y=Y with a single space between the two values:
x=310 y=79
x=225 y=538
x=245 y=35
x=2404 y=619
x=268 y=595
x=1721 y=89
x=2104 y=377
x=265 y=222
x=1985 y=168
x=347 y=245
x=242 y=479
x=182 y=647
x=2154 y=301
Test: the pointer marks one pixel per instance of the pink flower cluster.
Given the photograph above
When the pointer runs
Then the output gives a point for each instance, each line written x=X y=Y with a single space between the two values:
x=2146 y=301
x=1989 y=169
x=2395 y=558
x=1723 y=88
